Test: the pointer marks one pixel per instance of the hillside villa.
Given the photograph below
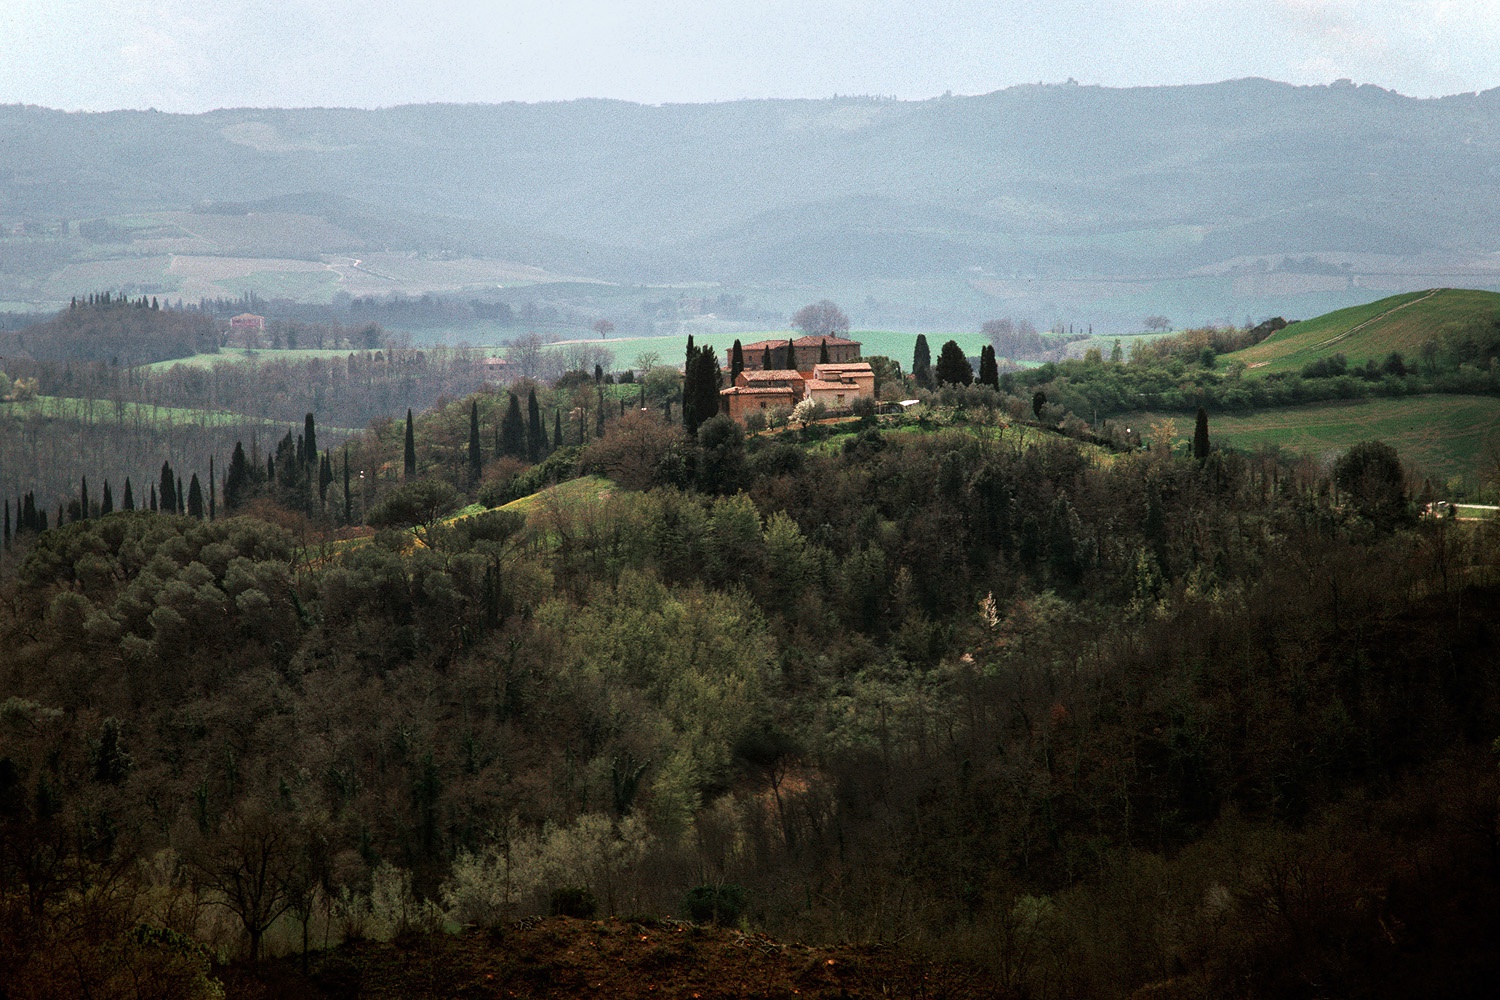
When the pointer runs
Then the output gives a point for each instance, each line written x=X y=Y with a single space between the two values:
x=836 y=383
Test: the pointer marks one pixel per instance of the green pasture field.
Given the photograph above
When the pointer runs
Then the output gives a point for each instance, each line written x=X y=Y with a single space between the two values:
x=107 y=411
x=1444 y=435
x=1400 y=323
x=242 y=355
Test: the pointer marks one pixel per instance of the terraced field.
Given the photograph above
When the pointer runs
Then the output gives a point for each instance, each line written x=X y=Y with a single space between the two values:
x=1401 y=323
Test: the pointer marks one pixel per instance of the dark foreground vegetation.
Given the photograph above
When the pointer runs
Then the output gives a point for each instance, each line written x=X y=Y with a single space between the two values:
x=1091 y=723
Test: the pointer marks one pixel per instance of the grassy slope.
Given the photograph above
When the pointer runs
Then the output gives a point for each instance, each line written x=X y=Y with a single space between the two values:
x=1445 y=435
x=1373 y=330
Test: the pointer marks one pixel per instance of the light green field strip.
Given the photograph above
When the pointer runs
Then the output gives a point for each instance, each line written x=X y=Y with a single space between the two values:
x=105 y=411
x=1444 y=435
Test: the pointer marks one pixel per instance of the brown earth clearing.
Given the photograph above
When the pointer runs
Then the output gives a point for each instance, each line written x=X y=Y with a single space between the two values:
x=564 y=957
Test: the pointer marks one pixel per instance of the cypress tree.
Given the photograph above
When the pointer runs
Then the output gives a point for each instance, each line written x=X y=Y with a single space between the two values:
x=310 y=440
x=536 y=436
x=823 y=352
x=1038 y=400
x=736 y=362
x=557 y=428
x=180 y=497
x=476 y=460
x=689 y=385
x=989 y=368
x=106 y=505
x=513 y=430
x=211 y=511
x=1200 y=435
x=410 y=464
x=153 y=498
x=952 y=366
x=83 y=499
x=128 y=503
x=166 y=494
x=599 y=415
x=195 y=498
x=238 y=478
x=791 y=355
x=921 y=362
x=348 y=500
x=598 y=374
x=325 y=479
x=765 y=358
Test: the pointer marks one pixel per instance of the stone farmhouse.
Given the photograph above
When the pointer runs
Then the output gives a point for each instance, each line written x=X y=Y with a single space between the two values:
x=835 y=383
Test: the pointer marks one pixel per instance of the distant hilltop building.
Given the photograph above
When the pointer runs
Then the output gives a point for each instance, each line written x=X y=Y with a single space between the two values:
x=767 y=381
x=246 y=330
x=495 y=369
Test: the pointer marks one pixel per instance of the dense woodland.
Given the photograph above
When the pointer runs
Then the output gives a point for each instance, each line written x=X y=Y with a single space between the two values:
x=1096 y=720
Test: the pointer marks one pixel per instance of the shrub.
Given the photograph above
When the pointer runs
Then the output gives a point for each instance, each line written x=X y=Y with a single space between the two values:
x=716 y=904
x=573 y=901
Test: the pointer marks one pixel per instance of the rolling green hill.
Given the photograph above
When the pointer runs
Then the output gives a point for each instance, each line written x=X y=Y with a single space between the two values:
x=1443 y=436
x=1401 y=323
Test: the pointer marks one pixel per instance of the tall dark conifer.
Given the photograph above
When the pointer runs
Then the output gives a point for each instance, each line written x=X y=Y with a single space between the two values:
x=309 y=440
x=107 y=504
x=989 y=368
x=765 y=358
x=823 y=352
x=791 y=355
x=195 y=498
x=153 y=498
x=513 y=430
x=557 y=441
x=128 y=501
x=1200 y=435
x=536 y=436
x=211 y=511
x=238 y=479
x=409 y=466
x=180 y=497
x=348 y=498
x=476 y=459
x=736 y=362
x=83 y=499
x=921 y=362
x=166 y=494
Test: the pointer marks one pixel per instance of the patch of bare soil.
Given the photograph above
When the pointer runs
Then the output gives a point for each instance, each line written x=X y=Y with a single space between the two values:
x=562 y=957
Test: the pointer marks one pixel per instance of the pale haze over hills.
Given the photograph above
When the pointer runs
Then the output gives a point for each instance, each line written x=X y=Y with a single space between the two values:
x=1222 y=200
x=1062 y=203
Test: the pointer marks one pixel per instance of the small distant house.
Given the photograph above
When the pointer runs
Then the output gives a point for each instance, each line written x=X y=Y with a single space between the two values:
x=495 y=369
x=246 y=330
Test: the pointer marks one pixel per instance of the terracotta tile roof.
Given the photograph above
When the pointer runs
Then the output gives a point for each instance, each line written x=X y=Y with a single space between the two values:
x=814 y=341
x=771 y=374
x=764 y=391
x=814 y=383
x=761 y=345
x=845 y=366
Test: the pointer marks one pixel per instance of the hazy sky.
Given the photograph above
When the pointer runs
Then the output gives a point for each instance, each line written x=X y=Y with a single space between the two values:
x=193 y=55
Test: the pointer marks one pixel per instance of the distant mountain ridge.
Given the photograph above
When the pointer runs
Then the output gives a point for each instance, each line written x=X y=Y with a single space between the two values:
x=1032 y=180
